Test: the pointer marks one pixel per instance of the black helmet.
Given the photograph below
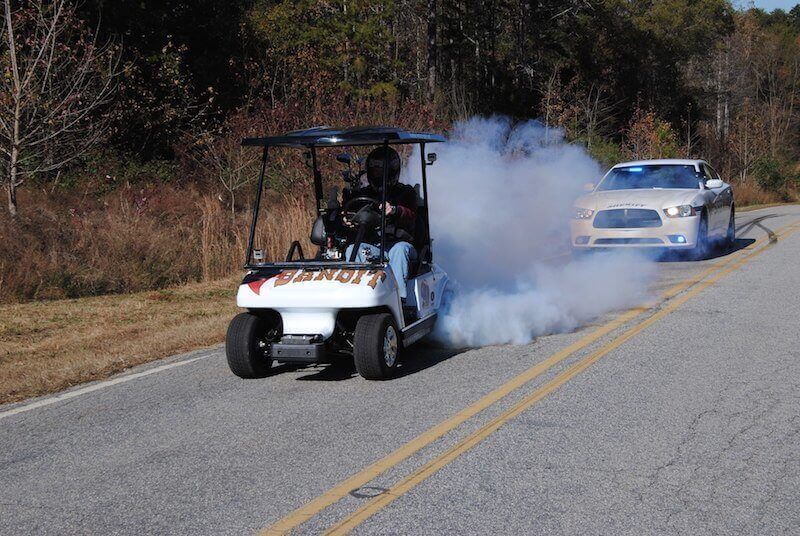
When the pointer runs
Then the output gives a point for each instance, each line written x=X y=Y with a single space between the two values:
x=379 y=157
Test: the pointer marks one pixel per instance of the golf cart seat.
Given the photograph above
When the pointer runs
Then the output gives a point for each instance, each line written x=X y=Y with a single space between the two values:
x=318 y=231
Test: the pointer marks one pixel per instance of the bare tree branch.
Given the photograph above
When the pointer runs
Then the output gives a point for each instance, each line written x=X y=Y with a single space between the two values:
x=60 y=80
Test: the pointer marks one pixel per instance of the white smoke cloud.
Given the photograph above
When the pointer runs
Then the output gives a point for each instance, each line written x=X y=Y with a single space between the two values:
x=501 y=196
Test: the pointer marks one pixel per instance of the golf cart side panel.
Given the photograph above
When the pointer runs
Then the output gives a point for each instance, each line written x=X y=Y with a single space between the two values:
x=321 y=294
x=425 y=291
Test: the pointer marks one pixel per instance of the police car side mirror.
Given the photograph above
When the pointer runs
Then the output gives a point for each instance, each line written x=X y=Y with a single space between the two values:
x=713 y=183
x=431 y=158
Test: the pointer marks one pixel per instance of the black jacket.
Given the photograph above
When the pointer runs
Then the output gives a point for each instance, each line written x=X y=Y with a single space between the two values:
x=400 y=226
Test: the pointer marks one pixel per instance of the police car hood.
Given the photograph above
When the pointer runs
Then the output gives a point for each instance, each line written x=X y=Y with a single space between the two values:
x=651 y=198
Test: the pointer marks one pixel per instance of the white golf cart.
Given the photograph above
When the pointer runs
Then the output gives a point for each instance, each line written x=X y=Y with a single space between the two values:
x=314 y=311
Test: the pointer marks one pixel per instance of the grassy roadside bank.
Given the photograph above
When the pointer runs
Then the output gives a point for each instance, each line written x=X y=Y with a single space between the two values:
x=47 y=346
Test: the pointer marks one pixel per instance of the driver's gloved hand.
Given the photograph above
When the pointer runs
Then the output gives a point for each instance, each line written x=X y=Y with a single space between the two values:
x=368 y=254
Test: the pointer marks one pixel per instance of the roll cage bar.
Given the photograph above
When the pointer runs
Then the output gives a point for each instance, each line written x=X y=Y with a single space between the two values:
x=323 y=137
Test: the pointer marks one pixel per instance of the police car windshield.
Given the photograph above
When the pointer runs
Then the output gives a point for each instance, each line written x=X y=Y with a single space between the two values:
x=643 y=177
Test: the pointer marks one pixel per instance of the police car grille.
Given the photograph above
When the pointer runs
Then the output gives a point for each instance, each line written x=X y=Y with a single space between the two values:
x=627 y=241
x=626 y=218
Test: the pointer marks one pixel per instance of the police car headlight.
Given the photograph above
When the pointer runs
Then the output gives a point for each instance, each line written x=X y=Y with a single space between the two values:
x=682 y=211
x=582 y=213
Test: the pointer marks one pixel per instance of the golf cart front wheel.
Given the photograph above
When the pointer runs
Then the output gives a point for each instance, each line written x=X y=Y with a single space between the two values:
x=247 y=345
x=376 y=346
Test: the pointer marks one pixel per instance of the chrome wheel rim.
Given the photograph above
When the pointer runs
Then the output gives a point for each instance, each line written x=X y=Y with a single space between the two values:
x=390 y=346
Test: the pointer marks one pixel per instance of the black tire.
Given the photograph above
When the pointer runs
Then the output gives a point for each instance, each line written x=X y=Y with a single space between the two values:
x=730 y=235
x=368 y=346
x=700 y=249
x=248 y=334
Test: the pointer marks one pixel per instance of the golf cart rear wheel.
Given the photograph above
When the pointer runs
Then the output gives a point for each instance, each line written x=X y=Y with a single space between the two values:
x=247 y=344
x=376 y=346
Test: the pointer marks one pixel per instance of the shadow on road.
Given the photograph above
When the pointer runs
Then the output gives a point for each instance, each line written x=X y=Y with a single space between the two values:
x=415 y=359
x=424 y=355
x=281 y=368
x=715 y=251
x=337 y=371
x=718 y=250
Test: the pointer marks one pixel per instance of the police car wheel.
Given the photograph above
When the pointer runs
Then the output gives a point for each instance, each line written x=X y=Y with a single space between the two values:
x=730 y=235
x=700 y=250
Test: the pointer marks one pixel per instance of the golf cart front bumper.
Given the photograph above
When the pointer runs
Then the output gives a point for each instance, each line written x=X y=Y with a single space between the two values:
x=298 y=349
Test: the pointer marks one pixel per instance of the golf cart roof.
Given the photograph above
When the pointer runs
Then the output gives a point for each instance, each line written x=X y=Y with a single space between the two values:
x=333 y=137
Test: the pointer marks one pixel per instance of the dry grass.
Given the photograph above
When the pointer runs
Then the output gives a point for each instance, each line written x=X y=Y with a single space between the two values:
x=130 y=241
x=749 y=208
x=49 y=346
x=125 y=242
x=747 y=193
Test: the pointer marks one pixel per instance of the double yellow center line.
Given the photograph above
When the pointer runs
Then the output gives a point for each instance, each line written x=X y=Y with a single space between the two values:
x=363 y=477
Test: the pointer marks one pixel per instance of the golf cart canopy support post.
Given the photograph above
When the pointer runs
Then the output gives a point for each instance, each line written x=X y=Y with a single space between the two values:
x=317 y=180
x=424 y=207
x=385 y=180
x=252 y=236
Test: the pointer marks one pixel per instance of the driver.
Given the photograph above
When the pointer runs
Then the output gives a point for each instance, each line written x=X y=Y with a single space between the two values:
x=401 y=215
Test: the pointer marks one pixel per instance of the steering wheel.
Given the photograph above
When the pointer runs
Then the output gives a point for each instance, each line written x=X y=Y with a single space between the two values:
x=368 y=211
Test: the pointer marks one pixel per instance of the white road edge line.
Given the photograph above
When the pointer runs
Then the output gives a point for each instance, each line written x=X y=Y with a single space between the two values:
x=96 y=387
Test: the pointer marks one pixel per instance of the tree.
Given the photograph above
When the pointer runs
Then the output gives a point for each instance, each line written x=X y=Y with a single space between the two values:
x=431 y=50
x=749 y=86
x=222 y=156
x=186 y=65
x=747 y=142
x=351 y=47
x=648 y=136
x=56 y=81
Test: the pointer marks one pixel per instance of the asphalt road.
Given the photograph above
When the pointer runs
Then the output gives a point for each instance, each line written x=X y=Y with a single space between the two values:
x=680 y=419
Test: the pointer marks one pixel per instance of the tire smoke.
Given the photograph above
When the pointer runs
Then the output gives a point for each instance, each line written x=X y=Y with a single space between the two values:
x=501 y=198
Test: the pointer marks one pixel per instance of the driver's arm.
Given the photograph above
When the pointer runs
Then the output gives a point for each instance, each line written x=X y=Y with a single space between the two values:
x=405 y=211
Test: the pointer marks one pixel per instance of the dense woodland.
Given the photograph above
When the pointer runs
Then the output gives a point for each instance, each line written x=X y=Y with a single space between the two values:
x=120 y=121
